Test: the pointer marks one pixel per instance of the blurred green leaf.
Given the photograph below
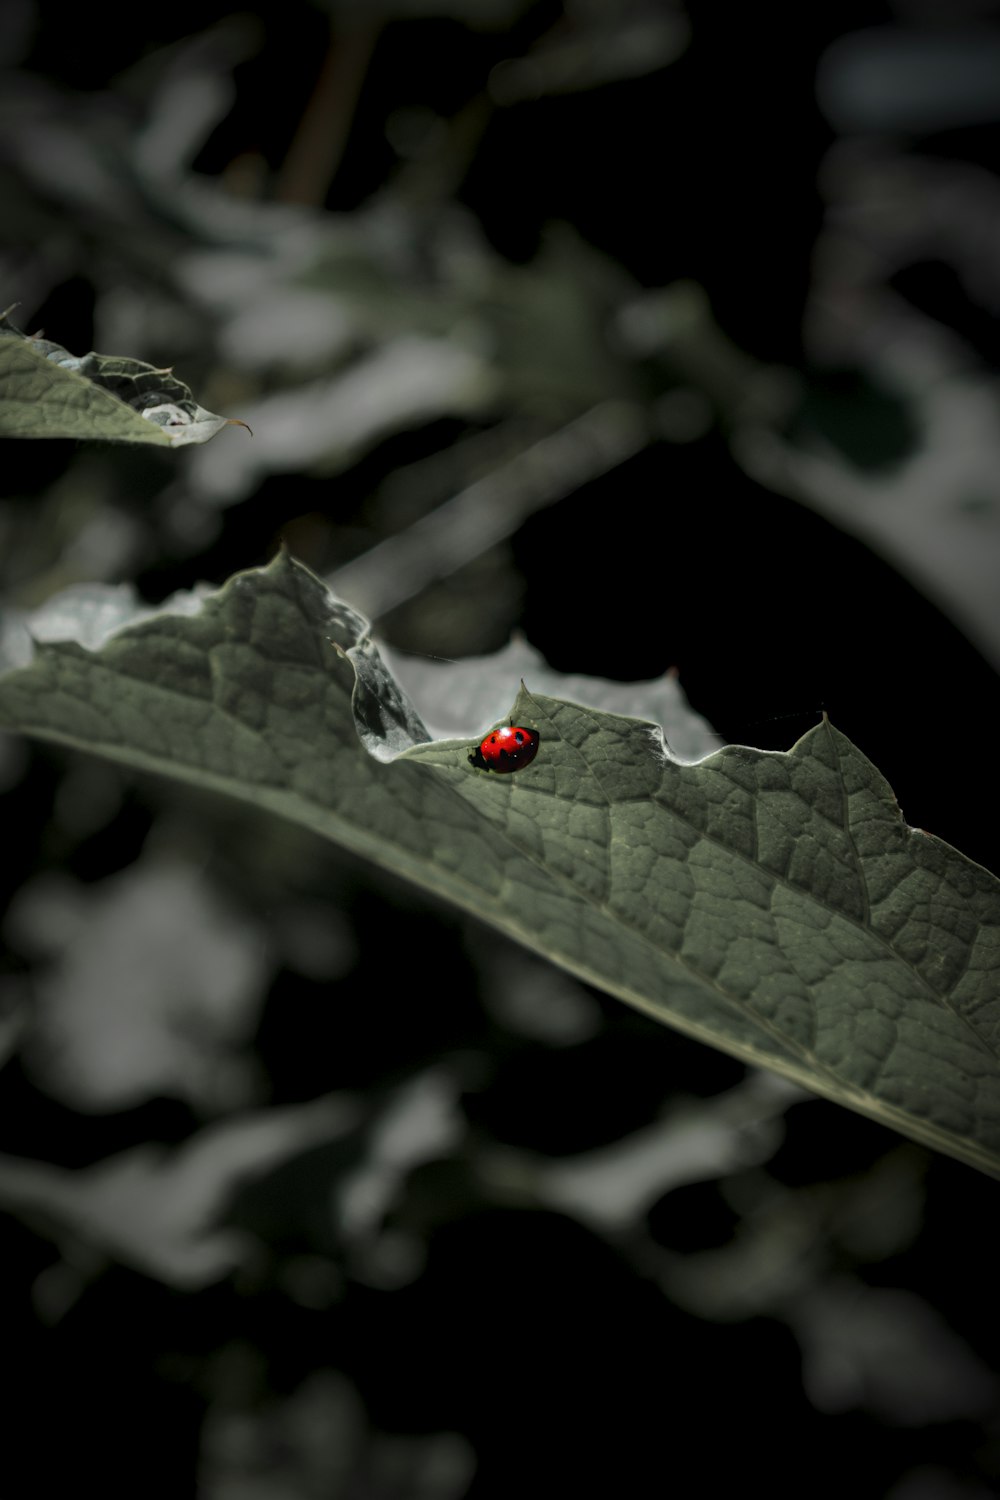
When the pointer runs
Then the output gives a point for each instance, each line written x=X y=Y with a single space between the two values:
x=771 y=904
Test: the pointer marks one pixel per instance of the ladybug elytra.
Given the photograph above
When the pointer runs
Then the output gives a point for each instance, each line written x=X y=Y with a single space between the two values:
x=507 y=749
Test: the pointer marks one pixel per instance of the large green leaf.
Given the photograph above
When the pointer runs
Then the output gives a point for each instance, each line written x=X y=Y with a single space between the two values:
x=45 y=392
x=771 y=904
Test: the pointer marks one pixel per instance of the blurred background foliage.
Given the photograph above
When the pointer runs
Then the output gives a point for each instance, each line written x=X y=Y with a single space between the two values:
x=663 y=333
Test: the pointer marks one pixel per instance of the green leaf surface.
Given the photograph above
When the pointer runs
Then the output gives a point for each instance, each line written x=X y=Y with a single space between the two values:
x=771 y=904
x=45 y=392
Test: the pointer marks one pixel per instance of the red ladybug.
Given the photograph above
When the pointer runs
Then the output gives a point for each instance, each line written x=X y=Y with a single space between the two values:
x=508 y=749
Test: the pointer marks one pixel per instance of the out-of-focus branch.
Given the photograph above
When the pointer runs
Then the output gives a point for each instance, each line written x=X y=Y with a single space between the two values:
x=321 y=138
x=492 y=508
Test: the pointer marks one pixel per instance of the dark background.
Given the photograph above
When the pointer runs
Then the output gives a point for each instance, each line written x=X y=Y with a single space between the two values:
x=524 y=1348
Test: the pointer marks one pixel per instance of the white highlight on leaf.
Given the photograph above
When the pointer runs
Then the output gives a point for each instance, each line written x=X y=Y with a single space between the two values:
x=160 y=1210
x=153 y=988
